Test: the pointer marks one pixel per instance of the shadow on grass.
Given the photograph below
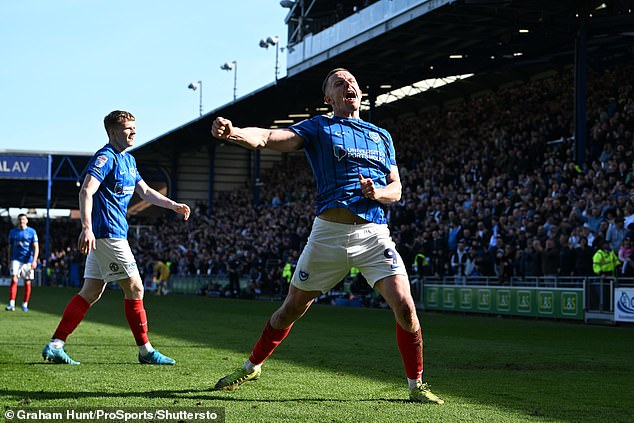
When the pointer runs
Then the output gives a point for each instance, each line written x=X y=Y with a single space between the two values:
x=191 y=394
x=507 y=363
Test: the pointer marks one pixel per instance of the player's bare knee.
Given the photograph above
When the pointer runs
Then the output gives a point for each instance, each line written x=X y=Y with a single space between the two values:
x=287 y=315
x=135 y=292
x=405 y=315
x=91 y=296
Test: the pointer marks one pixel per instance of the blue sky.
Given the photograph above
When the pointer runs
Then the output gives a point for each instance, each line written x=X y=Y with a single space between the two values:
x=67 y=63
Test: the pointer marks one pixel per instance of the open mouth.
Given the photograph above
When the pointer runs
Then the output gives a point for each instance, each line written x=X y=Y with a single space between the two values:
x=351 y=95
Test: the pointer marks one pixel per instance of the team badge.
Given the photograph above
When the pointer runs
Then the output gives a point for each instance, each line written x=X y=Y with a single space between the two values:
x=303 y=276
x=374 y=136
x=132 y=171
x=100 y=161
x=114 y=267
x=340 y=152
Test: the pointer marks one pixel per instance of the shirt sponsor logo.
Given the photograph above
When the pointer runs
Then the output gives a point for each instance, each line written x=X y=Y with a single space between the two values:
x=100 y=161
x=119 y=188
x=362 y=153
x=340 y=152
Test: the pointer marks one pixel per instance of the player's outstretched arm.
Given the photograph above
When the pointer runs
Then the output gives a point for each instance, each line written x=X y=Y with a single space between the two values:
x=153 y=196
x=283 y=140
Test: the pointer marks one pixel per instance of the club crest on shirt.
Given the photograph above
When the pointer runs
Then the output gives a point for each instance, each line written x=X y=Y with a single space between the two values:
x=100 y=161
x=374 y=136
x=132 y=171
x=340 y=152
x=303 y=276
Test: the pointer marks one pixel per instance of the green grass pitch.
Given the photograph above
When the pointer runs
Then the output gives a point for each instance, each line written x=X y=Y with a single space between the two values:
x=337 y=365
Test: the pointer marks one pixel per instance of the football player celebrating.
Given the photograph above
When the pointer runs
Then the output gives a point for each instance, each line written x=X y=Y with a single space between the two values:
x=355 y=169
x=110 y=182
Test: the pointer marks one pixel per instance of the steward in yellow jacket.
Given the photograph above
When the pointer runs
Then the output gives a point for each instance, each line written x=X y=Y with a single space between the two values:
x=605 y=262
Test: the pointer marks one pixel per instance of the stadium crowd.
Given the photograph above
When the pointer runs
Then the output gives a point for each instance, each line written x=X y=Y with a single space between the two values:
x=490 y=188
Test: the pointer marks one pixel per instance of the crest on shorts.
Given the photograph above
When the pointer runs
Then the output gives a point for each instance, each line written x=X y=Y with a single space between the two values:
x=114 y=267
x=303 y=276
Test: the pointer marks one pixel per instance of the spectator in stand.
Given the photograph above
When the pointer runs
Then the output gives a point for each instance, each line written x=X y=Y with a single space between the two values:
x=626 y=256
x=566 y=257
x=501 y=259
x=535 y=257
x=234 y=268
x=550 y=259
x=455 y=233
x=472 y=264
x=583 y=258
x=438 y=255
x=616 y=233
x=588 y=234
x=458 y=260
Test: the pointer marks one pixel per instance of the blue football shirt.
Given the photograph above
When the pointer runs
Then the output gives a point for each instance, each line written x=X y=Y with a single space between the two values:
x=20 y=241
x=339 y=149
x=118 y=175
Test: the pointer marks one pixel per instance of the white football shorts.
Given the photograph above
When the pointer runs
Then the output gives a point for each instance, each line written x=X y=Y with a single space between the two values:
x=112 y=260
x=22 y=270
x=333 y=248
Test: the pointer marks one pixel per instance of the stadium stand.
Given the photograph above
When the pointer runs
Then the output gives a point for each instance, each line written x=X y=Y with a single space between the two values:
x=489 y=166
x=507 y=188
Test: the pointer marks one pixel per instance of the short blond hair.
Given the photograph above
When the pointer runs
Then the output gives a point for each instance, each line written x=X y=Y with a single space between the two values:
x=116 y=117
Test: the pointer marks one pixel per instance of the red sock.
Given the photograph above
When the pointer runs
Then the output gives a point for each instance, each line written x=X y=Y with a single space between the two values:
x=137 y=319
x=73 y=315
x=13 y=290
x=269 y=340
x=27 y=292
x=411 y=346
